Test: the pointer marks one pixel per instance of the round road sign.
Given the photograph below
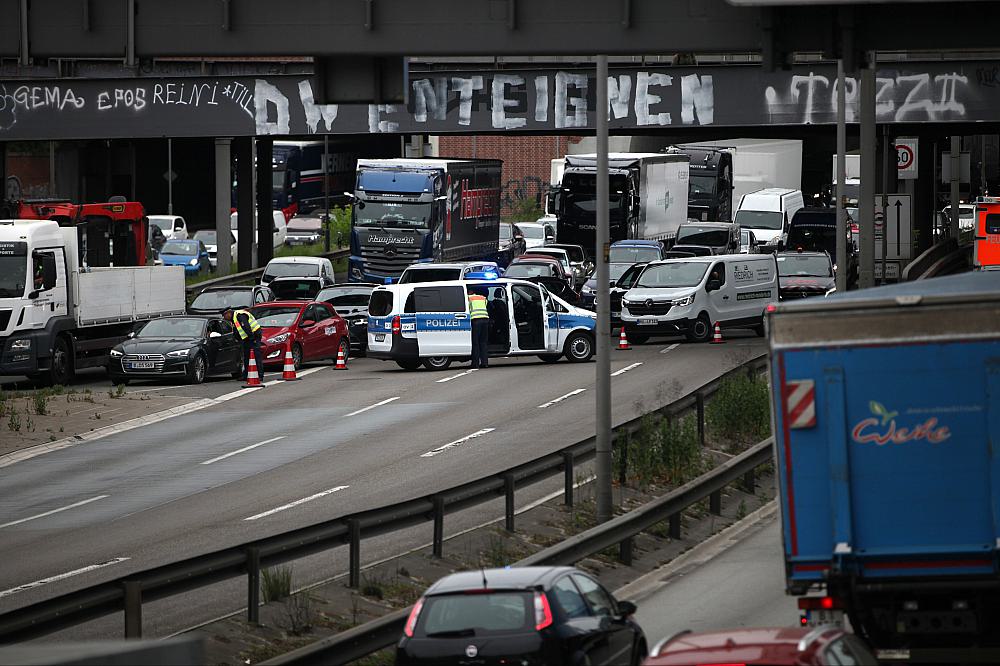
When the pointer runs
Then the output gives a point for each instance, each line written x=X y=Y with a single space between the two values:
x=904 y=156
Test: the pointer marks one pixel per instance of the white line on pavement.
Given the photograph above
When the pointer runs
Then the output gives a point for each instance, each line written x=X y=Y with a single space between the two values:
x=626 y=369
x=62 y=576
x=461 y=374
x=561 y=398
x=245 y=448
x=377 y=404
x=297 y=502
x=670 y=348
x=457 y=442
x=49 y=513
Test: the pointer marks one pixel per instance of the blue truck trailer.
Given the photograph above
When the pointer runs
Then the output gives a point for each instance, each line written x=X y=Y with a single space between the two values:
x=887 y=420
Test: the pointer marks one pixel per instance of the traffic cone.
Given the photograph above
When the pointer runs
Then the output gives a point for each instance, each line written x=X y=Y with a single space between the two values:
x=341 y=361
x=623 y=341
x=288 y=372
x=253 y=379
x=717 y=336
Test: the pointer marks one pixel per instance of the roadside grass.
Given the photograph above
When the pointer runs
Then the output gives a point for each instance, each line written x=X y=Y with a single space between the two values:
x=739 y=414
x=275 y=583
x=662 y=450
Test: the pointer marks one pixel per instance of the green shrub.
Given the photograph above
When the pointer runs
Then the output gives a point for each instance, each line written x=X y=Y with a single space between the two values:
x=739 y=412
x=275 y=583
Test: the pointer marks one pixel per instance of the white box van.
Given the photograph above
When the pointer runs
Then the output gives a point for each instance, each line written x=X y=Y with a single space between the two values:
x=428 y=323
x=297 y=266
x=768 y=213
x=690 y=295
x=279 y=227
x=173 y=226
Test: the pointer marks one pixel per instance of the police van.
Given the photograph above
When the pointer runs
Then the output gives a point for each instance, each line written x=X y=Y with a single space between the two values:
x=690 y=295
x=429 y=323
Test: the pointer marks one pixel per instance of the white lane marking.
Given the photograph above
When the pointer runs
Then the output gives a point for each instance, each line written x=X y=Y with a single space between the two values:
x=670 y=348
x=244 y=449
x=297 y=502
x=626 y=369
x=461 y=374
x=561 y=398
x=62 y=576
x=49 y=513
x=457 y=442
x=377 y=404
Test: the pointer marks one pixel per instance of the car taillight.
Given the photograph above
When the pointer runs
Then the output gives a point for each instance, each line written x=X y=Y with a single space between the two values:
x=543 y=613
x=820 y=603
x=395 y=325
x=411 y=622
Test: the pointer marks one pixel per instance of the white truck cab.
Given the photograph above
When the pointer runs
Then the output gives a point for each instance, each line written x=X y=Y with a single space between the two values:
x=429 y=324
x=689 y=296
x=768 y=212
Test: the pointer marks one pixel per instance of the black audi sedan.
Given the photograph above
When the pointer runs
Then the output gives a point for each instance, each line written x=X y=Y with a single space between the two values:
x=529 y=615
x=184 y=347
x=350 y=300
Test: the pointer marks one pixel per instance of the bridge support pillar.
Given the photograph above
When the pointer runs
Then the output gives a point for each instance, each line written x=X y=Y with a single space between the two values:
x=245 y=199
x=866 y=202
x=223 y=203
x=265 y=223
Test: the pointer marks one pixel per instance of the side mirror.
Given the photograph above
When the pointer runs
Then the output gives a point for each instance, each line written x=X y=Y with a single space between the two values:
x=131 y=334
x=781 y=246
x=307 y=323
x=626 y=608
x=215 y=334
x=713 y=285
x=32 y=295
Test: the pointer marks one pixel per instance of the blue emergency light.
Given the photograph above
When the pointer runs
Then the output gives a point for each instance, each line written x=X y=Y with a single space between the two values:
x=388 y=280
x=482 y=275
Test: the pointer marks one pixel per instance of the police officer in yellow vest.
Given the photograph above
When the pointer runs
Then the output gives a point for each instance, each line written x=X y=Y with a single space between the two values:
x=247 y=330
x=480 y=316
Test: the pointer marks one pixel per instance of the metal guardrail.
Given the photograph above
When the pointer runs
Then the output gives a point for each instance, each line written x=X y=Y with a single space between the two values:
x=128 y=593
x=253 y=274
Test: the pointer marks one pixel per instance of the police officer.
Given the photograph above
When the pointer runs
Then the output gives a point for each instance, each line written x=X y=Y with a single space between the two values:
x=480 y=316
x=248 y=332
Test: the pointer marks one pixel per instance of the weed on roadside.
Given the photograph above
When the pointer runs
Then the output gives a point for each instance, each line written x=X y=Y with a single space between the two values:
x=275 y=583
x=738 y=414
x=14 y=422
x=373 y=585
x=117 y=391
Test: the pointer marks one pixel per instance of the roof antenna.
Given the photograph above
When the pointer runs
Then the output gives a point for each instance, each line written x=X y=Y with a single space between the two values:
x=485 y=584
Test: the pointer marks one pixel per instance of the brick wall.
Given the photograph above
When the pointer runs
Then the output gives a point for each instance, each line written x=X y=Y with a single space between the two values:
x=527 y=160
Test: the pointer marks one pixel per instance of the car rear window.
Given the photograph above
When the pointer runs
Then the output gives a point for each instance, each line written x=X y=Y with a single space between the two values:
x=430 y=275
x=439 y=299
x=481 y=614
x=222 y=299
x=295 y=289
x=380 y=304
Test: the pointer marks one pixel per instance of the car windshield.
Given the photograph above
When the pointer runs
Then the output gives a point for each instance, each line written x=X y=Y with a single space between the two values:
x=169 y=327
x=575 y=252
x=282 y=269
x=632 y=254
x=13 y=271
x=289 y=289
x=430 y=275
x=760 y=219
x=392 y=214
x=806 y=266
x=346 y=296
x=505 y=232
x=276 y=316
x=222 y=299
x=615 y=271
x=701 y=185
x=534 y=233
x=460 y=615
x=305 y=224
x=180 y=248
x=673 y=274
x=558 y=256
x=703 y=236
x=816 y=237
x=205 y=236
x=628 y=277
x=528 y=270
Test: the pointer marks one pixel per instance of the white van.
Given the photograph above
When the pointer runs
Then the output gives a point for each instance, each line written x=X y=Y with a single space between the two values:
x=279 y=227
x=173 y=226
x=428 y=323
x=691 y=295
x=768 y=213
x=299 y=267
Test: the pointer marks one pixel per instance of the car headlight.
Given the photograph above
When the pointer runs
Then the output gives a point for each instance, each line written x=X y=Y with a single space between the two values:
x=20 y=345
x=115 y=353
x=586 y=290
x=687 y=300
x=179 y=353
x=278 y=339
x=356 y=272
x=193 y=262
x=360 y=321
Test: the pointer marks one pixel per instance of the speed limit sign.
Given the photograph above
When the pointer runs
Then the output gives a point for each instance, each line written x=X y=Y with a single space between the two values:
x=906 y=158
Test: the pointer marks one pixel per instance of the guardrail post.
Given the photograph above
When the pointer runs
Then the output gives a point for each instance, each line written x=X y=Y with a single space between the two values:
x=508 y=491
x=354 y=529
x=700 y=405
x=438 y=547
x=715 y=503
x=253 y=585
x=625 y=551
x=568 y=478
x=675 y=526
x=750 y=482
x=133 y=609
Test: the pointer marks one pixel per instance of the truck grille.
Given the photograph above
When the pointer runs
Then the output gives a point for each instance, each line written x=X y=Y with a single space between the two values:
x=4 y=319
x=391 y=264
x=641 y=309
x=157 y=360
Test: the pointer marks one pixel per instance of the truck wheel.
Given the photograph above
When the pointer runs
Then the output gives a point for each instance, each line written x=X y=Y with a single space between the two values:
x=550 y=358
x=701 y=329
x=579 y=348
x=408 y=364
x=437 y=362
x=196 y=369
x=60 y=365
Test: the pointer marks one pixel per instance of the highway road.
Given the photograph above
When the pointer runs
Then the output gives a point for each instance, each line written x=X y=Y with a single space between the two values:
x=293 y=454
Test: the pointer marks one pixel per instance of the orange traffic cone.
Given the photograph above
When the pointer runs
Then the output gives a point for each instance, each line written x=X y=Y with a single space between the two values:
x=253 y=379
x=717 y=336
x=623 y=341
x=288 y=372
x=341 y=361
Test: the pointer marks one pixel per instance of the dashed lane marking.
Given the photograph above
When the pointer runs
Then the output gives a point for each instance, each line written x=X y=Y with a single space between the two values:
x=49 y=513
x=670 y=348
x=297 y=502
x=561 y=398
x=62 y=576
x=243 y=450
x=461 y=374
x=626 y=369
x=457 y=442
x=377 y=404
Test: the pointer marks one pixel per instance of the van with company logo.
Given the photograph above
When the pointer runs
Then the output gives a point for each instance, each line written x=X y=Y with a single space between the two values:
x=690 y=295
x=428 y=323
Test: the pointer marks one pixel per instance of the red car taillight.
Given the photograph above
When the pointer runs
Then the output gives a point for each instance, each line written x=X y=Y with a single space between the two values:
x=820 y=603
x=395 y=325
x=543 y=613
x=411 y=622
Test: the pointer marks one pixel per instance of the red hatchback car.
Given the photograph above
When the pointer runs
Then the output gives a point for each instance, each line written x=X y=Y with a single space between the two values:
x=315 y=331
x=793 y=646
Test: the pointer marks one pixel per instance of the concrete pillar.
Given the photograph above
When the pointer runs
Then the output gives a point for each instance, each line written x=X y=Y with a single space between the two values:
x=866 y=201
x=602 y=367
x=956 y=178
x=841 y=250
x=223 y=203
x=246 y=255
x=265 y=222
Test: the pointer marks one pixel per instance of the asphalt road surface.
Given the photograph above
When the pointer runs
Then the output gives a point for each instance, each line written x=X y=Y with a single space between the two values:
x=294 y=454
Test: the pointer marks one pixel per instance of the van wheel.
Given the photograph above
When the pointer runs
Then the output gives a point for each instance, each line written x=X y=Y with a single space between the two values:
x=550 y=358
x=579 y=348
x=759 y=329
x=700 y=330
x=408 y=364
x=437 y=362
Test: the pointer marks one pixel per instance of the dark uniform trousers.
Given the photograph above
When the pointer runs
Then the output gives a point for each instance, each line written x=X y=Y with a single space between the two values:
x=480 y=342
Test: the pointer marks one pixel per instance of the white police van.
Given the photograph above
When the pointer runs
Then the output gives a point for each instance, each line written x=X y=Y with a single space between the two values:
x=428 y=323
x=690 y=295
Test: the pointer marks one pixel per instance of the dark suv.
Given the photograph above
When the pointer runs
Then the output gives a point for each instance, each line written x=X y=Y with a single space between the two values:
x=814 y=229
x=722 y=237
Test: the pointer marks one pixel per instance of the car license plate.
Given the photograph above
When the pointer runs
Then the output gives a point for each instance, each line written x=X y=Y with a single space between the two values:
x=823 y=617
x=648 y=322
x=380 y=337
x=141 y=365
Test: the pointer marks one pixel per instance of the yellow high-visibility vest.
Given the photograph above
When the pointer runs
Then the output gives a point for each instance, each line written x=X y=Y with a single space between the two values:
x=477 y=307
x=254 y=326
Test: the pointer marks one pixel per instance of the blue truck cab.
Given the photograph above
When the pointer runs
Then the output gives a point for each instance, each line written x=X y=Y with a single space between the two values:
x=886 y=412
